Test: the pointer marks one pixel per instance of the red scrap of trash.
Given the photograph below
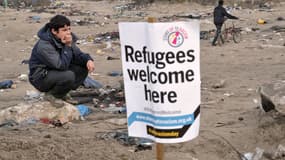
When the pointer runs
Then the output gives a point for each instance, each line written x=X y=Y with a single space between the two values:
x=119 y=104
x=56 y=123
x=45 y=120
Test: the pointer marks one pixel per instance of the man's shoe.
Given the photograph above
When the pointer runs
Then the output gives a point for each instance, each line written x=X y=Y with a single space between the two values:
x=69 y=99
x=55 y=102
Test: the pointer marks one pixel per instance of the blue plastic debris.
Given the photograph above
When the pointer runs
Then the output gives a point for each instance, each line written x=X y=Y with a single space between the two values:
x=123 y=110
x=36 y=18
x=6 y=84
x=83 y=110
x=91 y=83
x=115 y=73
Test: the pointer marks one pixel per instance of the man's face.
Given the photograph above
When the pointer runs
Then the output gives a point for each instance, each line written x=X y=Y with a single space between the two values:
x=62 y=32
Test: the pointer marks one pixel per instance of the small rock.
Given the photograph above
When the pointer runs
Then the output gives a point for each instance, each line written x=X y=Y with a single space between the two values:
x=221 y=84
x=47 y=136
x=240 y=118
x=23 y=77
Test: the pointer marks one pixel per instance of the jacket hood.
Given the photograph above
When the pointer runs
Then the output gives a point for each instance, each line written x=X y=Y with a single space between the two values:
x=45 y=34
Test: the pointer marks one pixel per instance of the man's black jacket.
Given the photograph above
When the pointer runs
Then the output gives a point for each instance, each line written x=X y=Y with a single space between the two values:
x=219 y=15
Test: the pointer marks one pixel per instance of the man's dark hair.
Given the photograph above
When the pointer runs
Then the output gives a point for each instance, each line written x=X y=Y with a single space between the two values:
x=221 y=2
x=58 y=21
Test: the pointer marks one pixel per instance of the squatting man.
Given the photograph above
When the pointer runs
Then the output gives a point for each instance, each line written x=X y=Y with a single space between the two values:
x=56 y=64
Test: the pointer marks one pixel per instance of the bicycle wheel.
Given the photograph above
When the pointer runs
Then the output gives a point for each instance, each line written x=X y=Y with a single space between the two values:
x=225 y=36
x=237 y=37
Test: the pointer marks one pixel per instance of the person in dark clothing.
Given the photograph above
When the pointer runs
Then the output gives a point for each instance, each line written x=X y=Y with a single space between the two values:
x=220 y=15
x=56 y=64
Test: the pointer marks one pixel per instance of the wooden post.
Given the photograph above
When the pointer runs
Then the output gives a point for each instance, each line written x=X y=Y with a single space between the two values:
x=159 y=146
x=159 y=151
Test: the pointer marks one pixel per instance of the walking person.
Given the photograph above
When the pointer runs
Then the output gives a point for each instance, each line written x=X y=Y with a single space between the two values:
x=220 y=15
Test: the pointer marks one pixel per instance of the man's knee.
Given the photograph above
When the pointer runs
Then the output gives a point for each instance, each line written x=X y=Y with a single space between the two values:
x=68 y=77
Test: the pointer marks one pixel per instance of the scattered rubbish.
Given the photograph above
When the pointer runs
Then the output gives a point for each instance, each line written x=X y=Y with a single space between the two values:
x=189 y=16
x=123 y=138
x=221 y=84
x=280 y=19
x=121 y=8
x=85 y=21
x=254 y=156
x=258 y=153
x=111 y=58
x=47 y=136
x=113 y=109
x=206 y=35
x=35 y=18
x=264 y=5
x=40 y=2
x=29 y=121
x=32 y=95
x=222 y=124
x=81 y=100
x=106 y=91
x=42 y=109
x=240 y=118
x=123 y=110
x=279 y=153
x=23 y=77
x=45 y=120
x=255 y=29
x=85 y=93
x=99 y=51
x=247 y=29
x=106 y=37
x=6 y=84
x=115 y=73
x=255 y=101
x=247 y=156
x=142 y=147
x=106 y=98
x=54 y=123
x=91 y=83
x=261 y=21
x=83 y=110
x=229 y=94
x=108 y=45
x=278 y=28
x=8 y=123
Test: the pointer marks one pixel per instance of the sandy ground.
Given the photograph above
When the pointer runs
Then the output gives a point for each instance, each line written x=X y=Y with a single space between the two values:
x=231 y=121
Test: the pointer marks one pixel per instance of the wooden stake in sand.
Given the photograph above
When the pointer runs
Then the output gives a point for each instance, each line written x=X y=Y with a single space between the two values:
x=160 y=151
x=159 y=146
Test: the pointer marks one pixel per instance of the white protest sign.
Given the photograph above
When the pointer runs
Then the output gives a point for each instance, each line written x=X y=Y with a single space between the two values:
x=161 y=68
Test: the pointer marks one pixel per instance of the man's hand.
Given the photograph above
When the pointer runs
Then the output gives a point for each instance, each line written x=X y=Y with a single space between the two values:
x=90 y=66
x=67 y=40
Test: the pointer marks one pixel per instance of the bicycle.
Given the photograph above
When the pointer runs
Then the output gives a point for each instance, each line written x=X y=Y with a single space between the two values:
x=230 y=33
